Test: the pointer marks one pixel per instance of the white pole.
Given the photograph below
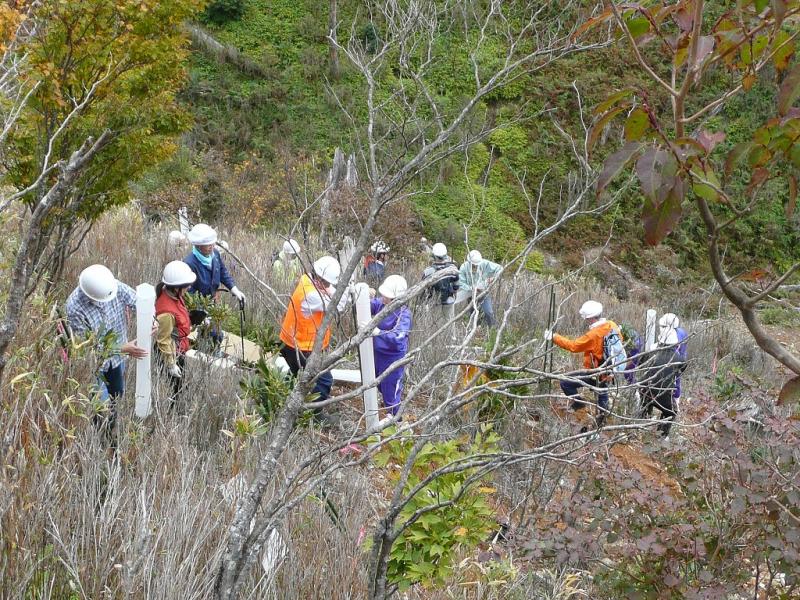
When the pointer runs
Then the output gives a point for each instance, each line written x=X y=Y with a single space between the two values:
x=145 y=311
x=367 y=358
x=650 y=331
x=183 y=219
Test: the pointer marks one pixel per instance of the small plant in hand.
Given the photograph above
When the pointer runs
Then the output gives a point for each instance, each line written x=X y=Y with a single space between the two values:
x=268 y=387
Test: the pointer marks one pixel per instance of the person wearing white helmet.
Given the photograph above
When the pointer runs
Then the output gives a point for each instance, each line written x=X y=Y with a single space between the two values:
x=390 y=340
x=375 y=262
x=207 y=264
x=303 y=318
x=174 y=322
x=672 y=334
x=443 y=292
x=287 y=266
x=100 y=306
x=474 y=277
x=592 y=345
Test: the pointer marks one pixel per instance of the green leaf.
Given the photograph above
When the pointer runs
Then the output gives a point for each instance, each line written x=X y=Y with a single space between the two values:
x=704 y=190
x=637 y=26
x=758 y=156
x=611 y=101
x=601 y=123
x=615 y=163
x=735 y=155
x=637 y=123
x=785 y=48
x=789 y=90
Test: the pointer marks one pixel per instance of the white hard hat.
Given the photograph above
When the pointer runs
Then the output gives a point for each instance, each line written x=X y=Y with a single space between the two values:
x=202 y=235
x=668 y=337
x=379 y=247
x=291 y=247
x=590 y=309
x=177 y=273
x=439 y=250
x=393 y=286
x=176 y=238
x=328 y=268
x=98 y=283
x=474 y=257
x=669 y=321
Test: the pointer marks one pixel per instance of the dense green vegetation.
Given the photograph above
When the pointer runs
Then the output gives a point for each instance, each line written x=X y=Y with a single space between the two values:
x=288 y=114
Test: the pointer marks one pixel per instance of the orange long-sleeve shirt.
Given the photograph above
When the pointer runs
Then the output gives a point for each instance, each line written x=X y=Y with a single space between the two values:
x=590 y=343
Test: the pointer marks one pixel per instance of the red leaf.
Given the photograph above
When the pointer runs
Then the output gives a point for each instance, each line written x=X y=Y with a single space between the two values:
x=790 y=90
x=648 y=170
x=790 y=392
x=683 y=18
x=591 y=23
x=759 y=176
x=660 y=219
x=710 y=140
x=615 y=163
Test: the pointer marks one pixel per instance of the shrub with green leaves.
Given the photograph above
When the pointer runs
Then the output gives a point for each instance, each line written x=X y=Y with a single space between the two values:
x=220 y=12
x=454 y=516
x=268 y=387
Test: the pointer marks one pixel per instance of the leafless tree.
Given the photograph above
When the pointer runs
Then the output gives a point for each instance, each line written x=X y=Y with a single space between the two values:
x=406 y=131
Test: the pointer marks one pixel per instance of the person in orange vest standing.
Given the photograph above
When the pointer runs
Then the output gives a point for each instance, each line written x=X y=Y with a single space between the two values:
x=591 y=344
x=304 y=315
x=174 y=323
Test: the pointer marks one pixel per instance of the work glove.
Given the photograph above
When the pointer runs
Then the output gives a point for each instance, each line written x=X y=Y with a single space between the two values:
x=175 y=371
x=377 y=331
x=206 y=322
x=237 y=293
x=548 y=334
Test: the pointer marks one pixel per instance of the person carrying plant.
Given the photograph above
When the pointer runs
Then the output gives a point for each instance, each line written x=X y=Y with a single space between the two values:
x=303 y=319
x=390 y=340
x=174 y=322
x=474 y=277
x=443 y=292
x=593 y=345
x=207 y=264
x=100 y=306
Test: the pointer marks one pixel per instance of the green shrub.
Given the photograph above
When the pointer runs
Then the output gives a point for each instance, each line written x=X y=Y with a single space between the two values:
x=268 y=388
x=220 y=12
x=425 y=551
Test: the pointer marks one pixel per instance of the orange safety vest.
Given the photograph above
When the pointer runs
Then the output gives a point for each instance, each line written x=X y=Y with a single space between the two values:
x=297 y=330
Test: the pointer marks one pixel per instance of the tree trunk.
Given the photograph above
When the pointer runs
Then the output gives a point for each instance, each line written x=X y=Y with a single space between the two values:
x=333 y=50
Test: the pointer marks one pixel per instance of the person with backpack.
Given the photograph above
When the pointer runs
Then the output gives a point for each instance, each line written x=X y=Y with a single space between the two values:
x=174 y=322
x=287 y=267
x=658 y=381
x=474 y=277
x=375 y=263
x=602 y=349
x=390 y=340
x=670 y=322
x=100 y=306
x=443 y=292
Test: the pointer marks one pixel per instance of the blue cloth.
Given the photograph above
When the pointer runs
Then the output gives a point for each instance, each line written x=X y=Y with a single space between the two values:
x=374 y=271
x=206 y=261
x=390 y=345
x=570 y=388
x=208 y=280
x=85 y=316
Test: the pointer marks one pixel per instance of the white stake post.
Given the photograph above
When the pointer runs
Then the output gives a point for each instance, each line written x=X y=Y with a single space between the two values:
x=366 y=356
x=650 y=331
x=183 y=219
x=145 y=311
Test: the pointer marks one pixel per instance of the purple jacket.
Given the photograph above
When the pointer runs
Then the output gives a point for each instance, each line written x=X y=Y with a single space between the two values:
x=395 y=329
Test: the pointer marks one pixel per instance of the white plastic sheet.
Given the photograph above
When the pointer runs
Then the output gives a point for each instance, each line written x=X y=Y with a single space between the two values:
x=650 y=331
x=367 y=358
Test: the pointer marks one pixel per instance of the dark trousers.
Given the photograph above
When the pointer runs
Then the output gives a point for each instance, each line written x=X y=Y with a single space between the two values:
x=175 y=383
x=664 y=403
x=113 y=380
x=570 y=389
x=296 y=359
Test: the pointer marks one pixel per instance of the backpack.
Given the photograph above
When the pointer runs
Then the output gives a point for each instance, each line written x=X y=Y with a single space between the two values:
x=444 y=288
x=614 y=351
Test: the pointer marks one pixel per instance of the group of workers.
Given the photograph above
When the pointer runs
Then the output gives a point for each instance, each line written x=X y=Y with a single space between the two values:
x=100 y=305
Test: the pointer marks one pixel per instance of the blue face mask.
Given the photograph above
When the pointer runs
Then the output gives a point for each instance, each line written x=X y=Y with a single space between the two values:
x=205 y=260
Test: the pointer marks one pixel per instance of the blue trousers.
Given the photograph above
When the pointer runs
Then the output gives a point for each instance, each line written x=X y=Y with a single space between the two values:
x=570 y=389
x=111 y=383
x=391 y=388
x=296 y=359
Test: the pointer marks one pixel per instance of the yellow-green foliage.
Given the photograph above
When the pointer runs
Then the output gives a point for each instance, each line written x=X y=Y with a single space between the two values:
x=451 y=519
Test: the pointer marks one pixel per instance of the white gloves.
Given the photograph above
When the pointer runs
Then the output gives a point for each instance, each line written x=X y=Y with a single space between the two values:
x=377 y=331
x=206 y=322
x=548 y=334
x=237 y=293
x=175 y=371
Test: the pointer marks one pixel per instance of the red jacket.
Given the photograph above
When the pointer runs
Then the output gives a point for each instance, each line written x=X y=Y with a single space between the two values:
x=183 y=325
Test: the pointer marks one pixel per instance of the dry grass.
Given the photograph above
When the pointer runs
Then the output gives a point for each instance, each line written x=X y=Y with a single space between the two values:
x=150 y=521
